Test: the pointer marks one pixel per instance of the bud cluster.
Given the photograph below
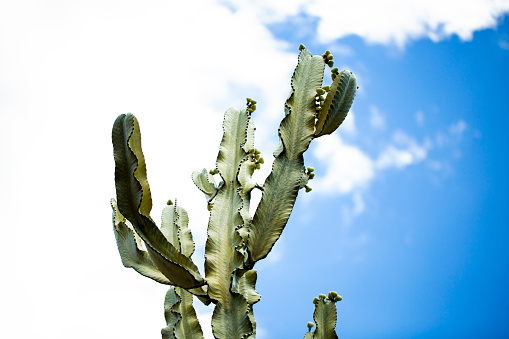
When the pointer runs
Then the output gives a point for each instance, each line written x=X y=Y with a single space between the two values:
x=310 y=173
x=254 y=156
x=327 y=57
x=333 y=297
x=251 y=105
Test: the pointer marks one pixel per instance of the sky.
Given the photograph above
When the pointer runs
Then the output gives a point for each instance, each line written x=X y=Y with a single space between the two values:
x=407 y=218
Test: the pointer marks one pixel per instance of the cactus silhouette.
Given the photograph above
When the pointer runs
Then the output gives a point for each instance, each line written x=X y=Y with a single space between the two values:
x=235 y=240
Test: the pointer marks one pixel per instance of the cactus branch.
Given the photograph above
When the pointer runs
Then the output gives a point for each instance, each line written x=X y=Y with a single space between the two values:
x=135 y=203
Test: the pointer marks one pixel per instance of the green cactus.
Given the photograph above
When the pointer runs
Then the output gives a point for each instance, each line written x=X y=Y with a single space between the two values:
x=235 y=240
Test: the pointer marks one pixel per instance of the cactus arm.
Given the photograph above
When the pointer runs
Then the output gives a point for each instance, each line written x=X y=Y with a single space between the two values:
x=135 y=203
x=325 y=316
x=180 y=316
x=337 y=103
x=224 y=246
x=243 y=283
x=131 y=252
x=308 y=335
x=221 y=259
x=205 y=183
x=174 y=225
x=171 y=317
x=296 y=132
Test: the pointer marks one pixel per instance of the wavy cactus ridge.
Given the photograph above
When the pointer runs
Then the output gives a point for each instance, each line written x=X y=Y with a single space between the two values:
x=235 y=239
x=296 y=132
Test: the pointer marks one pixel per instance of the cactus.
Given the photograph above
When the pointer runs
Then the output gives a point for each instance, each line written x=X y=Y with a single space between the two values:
x=235 y=240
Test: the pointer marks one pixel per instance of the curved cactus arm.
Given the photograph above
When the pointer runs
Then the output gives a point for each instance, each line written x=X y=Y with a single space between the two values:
x=135 y=203
x=180 y=316
x=325 y=316
x=205 y=183
x=296 y=132
x=130 y=248
x=337 y=103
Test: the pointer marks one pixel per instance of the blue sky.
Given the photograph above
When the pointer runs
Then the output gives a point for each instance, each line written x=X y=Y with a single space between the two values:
x=407 y=216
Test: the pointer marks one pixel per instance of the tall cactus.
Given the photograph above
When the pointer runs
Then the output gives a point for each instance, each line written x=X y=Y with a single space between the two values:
x=235 y=240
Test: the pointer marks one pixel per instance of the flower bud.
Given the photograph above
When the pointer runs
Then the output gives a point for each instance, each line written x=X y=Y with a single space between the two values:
x=308 y=189
x=302 y=47
x=169 y=202
x=261 y=161
x=320 y=91
x=311 y=176
x=315 y=300
x=310 y=169
x=326 y=88
x=335 y=70
x=330 y=57
x=310 y=325
x=330 y=63
x=332 y=295
x=322 y=296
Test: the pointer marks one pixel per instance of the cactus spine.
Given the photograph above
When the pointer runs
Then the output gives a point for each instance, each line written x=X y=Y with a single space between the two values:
x=235 y=241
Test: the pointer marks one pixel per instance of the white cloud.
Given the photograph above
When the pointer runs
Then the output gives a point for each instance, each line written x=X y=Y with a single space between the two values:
x=399 y=21
x=348 y=168
x=405 y=151
x=387 y=22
